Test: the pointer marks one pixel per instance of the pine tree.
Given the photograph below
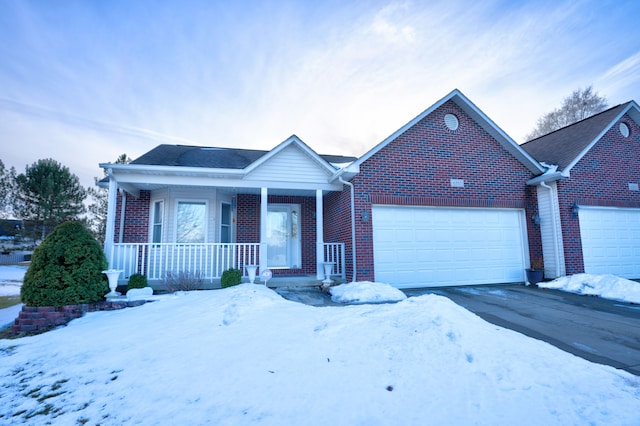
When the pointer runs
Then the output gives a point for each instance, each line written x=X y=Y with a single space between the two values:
x=48 y=193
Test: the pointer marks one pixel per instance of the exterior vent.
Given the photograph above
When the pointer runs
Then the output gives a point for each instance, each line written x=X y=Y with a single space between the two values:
x=624 y=130
x=451 y=121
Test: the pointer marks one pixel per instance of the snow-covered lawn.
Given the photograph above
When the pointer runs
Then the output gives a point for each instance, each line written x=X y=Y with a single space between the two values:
x=10 y=283
x=245 y=355
x=11 y=279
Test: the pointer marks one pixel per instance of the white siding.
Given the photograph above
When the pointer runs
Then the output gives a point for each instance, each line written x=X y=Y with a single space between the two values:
x=172 y=195
x=552 y=247
x=290 y=165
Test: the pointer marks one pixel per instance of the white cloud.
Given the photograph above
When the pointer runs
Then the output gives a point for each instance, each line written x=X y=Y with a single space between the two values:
x=342 y=77
x=385 y=26
x=620 y=76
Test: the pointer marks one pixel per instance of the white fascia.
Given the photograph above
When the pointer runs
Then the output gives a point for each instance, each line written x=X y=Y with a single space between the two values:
x=550 y=175
x=171 y=170
x=346 y=173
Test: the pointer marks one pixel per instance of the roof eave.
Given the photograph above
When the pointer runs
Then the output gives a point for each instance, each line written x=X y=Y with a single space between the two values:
x=547 y=177
x=171 y=170
x=346 y=173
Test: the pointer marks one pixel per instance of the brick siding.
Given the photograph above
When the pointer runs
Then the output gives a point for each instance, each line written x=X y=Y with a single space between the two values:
x=416 y=169
x=136 y=218
x=337 y=224
x=248 y=227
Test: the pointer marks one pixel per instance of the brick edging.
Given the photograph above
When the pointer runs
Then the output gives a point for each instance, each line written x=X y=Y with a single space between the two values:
x=37 y=319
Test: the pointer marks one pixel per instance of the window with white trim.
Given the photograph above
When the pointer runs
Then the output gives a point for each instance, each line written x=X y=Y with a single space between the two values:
x=225 y=223
x=190 y=222
x=156 y=231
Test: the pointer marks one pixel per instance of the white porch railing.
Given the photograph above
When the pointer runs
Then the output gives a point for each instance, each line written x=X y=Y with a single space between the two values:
x=154 y=260
x=334 y=252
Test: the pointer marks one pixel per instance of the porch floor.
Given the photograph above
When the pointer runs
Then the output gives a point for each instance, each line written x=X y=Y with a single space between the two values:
x=296 y=281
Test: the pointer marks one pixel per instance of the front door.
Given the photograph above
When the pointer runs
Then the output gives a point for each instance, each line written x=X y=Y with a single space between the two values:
x=283 y=236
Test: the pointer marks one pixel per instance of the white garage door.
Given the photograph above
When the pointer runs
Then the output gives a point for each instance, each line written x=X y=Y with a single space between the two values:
x=437 y=246
x=610 y=240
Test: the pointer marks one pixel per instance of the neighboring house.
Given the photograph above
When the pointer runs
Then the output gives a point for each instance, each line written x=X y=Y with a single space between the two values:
x=442 y=201
x=589 y=201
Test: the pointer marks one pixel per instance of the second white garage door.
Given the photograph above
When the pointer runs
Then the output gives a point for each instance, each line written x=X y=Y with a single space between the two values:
x=437 y=246
x=610 y=241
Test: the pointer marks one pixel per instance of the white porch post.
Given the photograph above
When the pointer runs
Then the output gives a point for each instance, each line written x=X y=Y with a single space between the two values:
x=263 y=229
x=123 y=208
x=319 y=236
x=111 y=216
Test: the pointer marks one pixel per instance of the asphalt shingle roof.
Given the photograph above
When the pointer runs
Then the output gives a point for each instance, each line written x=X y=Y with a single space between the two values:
x=564 y=145
x=211 y=157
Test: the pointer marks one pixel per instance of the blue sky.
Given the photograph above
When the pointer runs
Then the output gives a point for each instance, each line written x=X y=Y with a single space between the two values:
x=85 y=81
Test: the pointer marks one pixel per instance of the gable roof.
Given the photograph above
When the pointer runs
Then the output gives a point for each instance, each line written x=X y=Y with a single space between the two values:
x=477 y=115
x=222 y=158
x=566 y=146
x=199 y=156
x=291 y=166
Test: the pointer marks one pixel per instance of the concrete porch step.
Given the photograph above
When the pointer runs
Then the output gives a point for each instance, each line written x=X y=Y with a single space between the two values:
x=296 y=281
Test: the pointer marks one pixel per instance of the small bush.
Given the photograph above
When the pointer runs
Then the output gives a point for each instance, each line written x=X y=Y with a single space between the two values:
x=137 y=281
x=66 y=269
x=182 y=281
x=231 y=277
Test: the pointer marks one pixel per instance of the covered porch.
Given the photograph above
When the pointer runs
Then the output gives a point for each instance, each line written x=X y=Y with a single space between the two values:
x=282 y=233
x=208 y=260
x=202 y=220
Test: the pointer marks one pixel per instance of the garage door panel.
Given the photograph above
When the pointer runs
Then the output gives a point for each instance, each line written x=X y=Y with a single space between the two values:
x=610 y=240
x=403 y=235
x=437 y=246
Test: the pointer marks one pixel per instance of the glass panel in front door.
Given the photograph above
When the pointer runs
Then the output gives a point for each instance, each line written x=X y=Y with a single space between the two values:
x=283 y=236
x=277 y=237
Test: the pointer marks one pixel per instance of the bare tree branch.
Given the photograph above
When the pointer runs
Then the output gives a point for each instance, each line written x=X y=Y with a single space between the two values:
x=579 y=105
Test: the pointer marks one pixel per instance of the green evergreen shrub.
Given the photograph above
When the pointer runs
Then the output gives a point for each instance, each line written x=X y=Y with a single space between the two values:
x=66 y=269
x=231 y=277
x=137 y=281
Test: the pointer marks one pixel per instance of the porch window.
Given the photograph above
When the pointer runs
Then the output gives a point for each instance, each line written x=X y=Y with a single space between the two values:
x=191 y=222
x=225 y=223
x=156 y=231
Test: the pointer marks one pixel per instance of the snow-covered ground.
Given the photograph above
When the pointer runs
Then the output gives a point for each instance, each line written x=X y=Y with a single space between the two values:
x=11 y=279
x=10 y=282
x=365 y=292
x=605 y=286
x=244 y=355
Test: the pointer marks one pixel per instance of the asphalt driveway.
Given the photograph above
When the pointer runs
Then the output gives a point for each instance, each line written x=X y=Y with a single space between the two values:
x=599 y=330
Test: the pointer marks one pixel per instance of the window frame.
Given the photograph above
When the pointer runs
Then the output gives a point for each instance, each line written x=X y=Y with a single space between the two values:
x=228 y=226
x=205 y=223
x=153 y=224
